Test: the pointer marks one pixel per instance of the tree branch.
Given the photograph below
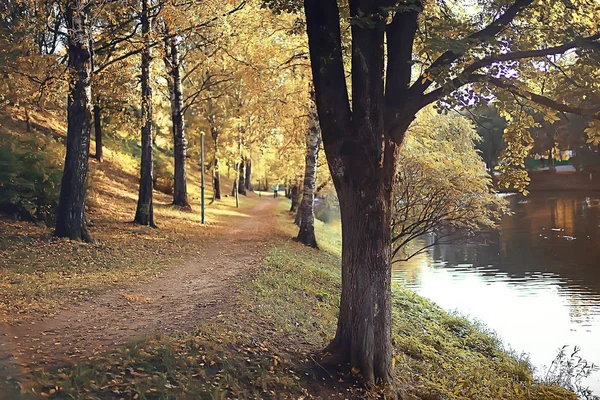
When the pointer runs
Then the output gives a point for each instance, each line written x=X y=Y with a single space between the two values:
x=447 y=58
x=518 y=55
x=536 y=98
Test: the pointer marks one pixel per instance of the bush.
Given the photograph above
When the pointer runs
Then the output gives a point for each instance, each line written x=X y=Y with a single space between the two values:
x=30 y=174
x=163 y=175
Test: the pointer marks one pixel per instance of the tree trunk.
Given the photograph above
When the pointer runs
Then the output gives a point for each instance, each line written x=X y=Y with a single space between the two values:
x=180 y=196
x=306 y=235
x=216 y=180
x=216 y=173
x=144 y=214
x=27 y=120
x=234 y=189
x=363 y=335
x=242 y=177
x=249 y=174
x=295 y=198
x=70 y=217
x=551 y=166
x=98 y=129
x=361 y=144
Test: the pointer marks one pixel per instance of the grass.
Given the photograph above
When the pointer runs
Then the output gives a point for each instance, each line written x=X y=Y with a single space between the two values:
x=39 y=274
x=265 y=346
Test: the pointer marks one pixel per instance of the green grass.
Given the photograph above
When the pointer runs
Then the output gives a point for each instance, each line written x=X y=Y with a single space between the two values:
x=263 y=347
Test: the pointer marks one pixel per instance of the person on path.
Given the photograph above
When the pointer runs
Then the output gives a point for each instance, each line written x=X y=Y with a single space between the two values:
x=275 y=191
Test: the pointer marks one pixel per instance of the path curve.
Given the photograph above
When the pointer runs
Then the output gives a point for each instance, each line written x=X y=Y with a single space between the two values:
x=171 y=302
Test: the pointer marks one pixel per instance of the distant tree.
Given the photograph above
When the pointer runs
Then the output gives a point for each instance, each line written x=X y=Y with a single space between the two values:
x=306 y=212
x=490 y=127
x=442 y=189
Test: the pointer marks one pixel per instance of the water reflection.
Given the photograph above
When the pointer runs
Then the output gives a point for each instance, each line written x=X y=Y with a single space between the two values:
x=536 y=280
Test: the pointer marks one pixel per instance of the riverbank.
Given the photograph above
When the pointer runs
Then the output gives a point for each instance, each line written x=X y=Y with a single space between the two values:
x=264 y=346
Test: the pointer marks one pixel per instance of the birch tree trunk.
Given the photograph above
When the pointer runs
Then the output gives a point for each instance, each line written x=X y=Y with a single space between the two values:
x=70 y=217
x=144 y=214
x=306 y=235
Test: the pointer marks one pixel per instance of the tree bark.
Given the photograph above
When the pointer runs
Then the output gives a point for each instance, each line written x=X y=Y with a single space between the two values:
x=242 y=177
x=180 y=196
x=216 y=180
x=144 y=214
x=295 y=199
x=27 y=120
x=248 y=180
x=98 y=129
x=70 y=217
x=234 y=189
x=363 y=335
x=214 y=132
x=306 y=235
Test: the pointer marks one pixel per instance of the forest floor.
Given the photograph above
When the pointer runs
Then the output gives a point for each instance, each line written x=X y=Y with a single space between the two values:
x=173 y=300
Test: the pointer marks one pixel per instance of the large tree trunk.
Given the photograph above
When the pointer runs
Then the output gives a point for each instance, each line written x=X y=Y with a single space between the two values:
x=363 y=335
x=70 y=217
x=306 y=235
x=180 y=197
x=242 y=177
x=144 y=214
x=362 y=159
x=98 y=129
x=249 y=174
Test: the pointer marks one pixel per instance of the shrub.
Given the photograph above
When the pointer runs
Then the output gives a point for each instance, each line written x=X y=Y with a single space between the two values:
x=30 y=174
x=163 y=175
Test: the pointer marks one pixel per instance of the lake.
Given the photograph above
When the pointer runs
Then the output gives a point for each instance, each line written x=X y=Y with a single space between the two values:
x=535 y=281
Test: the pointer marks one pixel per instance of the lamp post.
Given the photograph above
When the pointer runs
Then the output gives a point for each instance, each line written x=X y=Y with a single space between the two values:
x=202 y=173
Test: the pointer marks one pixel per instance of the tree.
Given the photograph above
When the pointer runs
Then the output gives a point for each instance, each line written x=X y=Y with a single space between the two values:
x=486 y=45
x=248 y=178
x=70 y=216
x=442 y=188
x=98 y=129
x=173 y=66
x=306 y=213
x=490 y=127
x=216 y=174
x=144 y=214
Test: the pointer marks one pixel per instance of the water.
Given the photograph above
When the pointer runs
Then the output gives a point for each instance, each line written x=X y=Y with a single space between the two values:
x=536 y=281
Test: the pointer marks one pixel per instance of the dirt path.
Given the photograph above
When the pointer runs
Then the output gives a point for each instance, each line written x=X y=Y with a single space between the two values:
x=172 y=302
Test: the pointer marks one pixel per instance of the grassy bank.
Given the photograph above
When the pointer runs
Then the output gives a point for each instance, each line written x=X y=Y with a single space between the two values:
x=266 y=347
x=39 y=273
